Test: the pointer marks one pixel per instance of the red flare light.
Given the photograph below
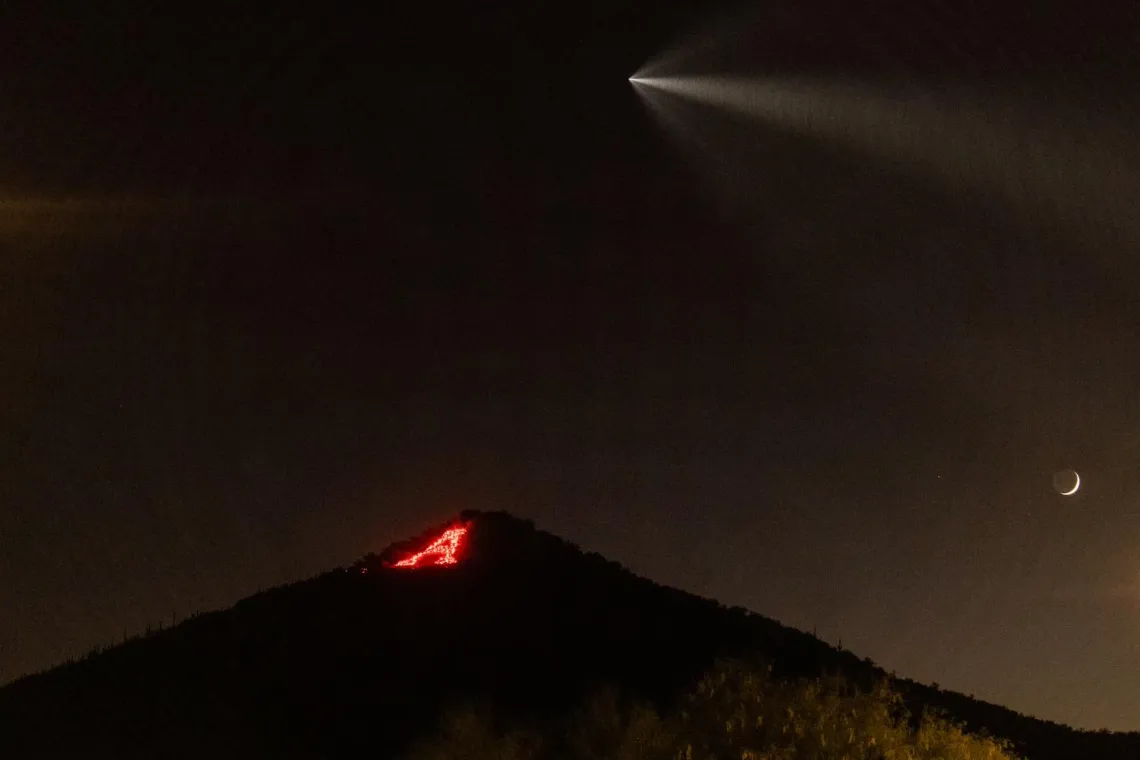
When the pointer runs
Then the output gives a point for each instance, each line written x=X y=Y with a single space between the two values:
x=439 y=552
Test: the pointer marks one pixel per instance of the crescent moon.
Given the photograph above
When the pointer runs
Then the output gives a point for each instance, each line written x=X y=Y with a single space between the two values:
x=1075 y=485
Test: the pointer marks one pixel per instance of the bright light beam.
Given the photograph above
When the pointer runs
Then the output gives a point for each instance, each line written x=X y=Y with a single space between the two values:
x=1037 y=159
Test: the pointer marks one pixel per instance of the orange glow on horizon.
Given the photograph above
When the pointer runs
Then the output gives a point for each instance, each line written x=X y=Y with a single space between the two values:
x=443 y=549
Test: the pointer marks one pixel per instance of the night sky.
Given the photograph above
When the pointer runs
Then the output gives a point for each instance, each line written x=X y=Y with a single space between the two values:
x=279 y=289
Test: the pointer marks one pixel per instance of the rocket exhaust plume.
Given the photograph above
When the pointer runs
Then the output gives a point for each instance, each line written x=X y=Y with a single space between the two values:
x=1044 y=162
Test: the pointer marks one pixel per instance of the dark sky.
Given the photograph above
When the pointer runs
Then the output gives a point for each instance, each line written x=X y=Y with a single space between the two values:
x=278 y=289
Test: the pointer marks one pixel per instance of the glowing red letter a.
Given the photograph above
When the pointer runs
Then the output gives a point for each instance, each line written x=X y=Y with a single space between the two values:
x=439 y=552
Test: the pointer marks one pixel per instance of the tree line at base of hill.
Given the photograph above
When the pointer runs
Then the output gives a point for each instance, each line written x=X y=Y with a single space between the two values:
x=738 y=710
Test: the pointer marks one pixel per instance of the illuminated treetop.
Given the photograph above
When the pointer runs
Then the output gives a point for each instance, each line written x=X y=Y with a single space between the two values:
x=442 y=551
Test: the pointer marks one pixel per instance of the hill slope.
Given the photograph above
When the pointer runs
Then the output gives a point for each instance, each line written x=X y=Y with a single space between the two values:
x=360 y=661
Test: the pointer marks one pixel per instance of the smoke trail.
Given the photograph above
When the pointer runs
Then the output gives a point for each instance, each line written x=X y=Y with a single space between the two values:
x=1043 y=161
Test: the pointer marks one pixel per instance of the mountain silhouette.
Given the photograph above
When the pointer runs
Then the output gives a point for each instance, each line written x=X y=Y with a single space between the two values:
x=362 y=660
